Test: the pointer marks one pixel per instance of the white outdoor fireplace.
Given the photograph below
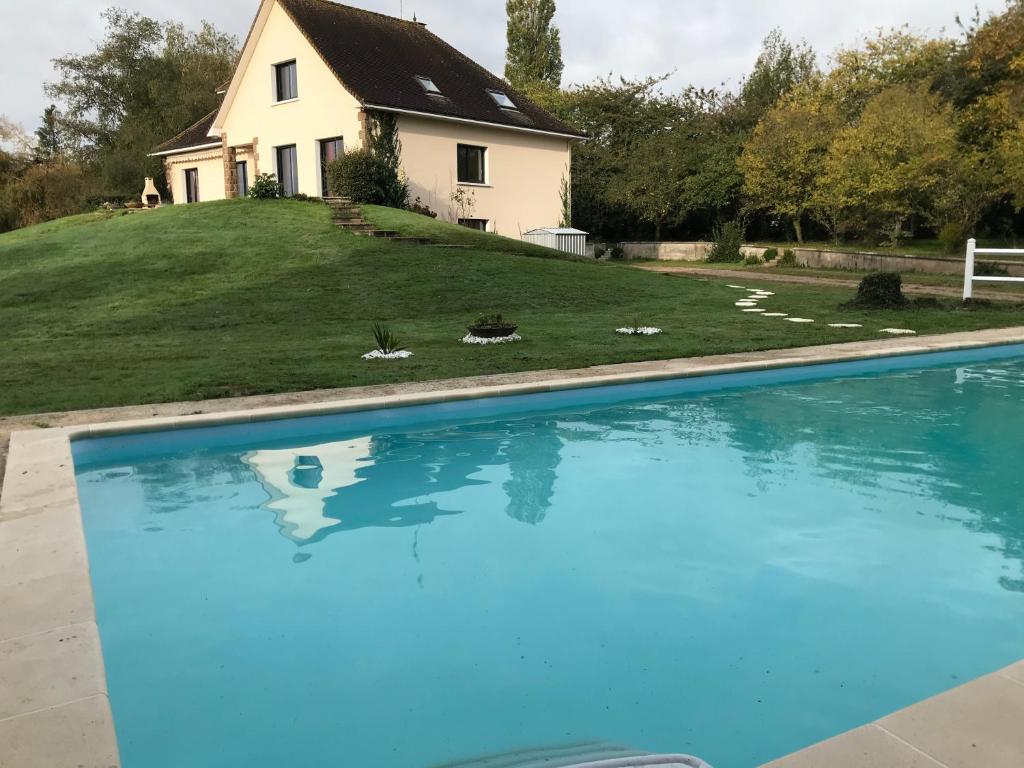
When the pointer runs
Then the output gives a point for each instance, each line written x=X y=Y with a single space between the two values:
x=150 y=195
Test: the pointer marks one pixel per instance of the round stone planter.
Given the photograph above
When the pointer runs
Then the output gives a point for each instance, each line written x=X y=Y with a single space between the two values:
x=492 y=331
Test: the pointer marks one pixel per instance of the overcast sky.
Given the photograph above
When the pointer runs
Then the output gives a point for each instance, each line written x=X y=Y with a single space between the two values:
x=704 y=43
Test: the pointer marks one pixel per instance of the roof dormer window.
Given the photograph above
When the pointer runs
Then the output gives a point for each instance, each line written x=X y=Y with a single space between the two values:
x=502 y=100
x=428 y=85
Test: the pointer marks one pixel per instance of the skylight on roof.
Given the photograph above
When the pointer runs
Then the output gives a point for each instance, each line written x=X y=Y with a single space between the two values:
x=428 y=85
x=502 y=100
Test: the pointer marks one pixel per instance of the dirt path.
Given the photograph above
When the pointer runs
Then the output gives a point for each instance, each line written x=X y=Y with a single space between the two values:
x=765 y=276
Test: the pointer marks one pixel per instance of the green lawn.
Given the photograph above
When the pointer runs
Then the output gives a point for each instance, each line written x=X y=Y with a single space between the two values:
x=852 y=275
x=245 y=297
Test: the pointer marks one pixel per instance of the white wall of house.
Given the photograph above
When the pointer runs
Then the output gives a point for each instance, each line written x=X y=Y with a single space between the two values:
x=210 y=167
x=524 y=172
x=323 y=109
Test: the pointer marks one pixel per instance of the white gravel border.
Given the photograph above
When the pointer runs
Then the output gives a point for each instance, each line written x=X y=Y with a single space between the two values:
x=469 y=338
x=643 y=330
x=378 y=355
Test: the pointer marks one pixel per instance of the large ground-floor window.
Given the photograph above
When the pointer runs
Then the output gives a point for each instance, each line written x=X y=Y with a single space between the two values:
x=288 y=169
x=330 y=149
x=242 y=177
x=191 y=185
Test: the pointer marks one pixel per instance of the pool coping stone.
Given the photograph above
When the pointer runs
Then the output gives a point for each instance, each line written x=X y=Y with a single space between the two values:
x=54 y=703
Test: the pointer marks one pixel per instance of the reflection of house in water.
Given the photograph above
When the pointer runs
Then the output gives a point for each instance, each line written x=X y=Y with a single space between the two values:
x=300 y=480
x=397 y=480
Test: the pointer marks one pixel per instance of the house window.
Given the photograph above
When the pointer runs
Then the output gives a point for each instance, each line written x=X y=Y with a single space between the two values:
x=191 y=185
x=288 y=170
x=285 y=85
x=428 y=85
x=478 y=224
x=330 y=150
x=502 y=100
x=472 y=164
x=242 y=177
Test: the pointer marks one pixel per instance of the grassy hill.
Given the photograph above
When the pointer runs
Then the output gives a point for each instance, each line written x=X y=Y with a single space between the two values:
x=245 y=297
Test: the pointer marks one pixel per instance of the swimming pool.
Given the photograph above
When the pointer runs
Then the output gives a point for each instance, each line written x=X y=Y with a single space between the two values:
x=729 y=566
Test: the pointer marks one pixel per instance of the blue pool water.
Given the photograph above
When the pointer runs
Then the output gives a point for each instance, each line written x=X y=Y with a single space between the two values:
x=734 y=568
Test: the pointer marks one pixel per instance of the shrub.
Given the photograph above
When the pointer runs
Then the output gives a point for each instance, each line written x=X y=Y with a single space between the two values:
x=357 y=175
x=617 y=252
x=728 y=238
x=44 y=191
x=599 y=251
x=386 y=341
x=492 y=326
x=418 y=206
x=788 y=258
x=953 y=238
x=265 y=187
x=752 y=260
x=770 y=254
x=880 y=290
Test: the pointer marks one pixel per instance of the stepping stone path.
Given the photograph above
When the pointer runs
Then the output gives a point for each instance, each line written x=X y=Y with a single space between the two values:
x=749 y=304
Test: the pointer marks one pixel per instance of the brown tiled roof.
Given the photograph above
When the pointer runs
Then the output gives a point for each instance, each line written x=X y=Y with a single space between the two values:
x=377 y=58
x=193 y=136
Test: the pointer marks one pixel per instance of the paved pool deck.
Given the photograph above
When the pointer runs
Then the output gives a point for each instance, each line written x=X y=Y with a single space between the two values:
x=54 y=707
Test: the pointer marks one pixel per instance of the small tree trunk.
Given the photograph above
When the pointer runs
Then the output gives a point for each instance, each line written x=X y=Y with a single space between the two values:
x=798 y=229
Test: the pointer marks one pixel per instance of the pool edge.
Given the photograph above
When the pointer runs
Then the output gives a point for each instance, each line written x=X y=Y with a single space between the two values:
x=59 y=707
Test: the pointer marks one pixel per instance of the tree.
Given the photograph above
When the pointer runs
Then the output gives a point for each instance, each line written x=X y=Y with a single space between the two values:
x=1011 y=158
x=616 y=116
x=143 y=83
x=780 y=67
x=890 y=165
x=15 y=157
x=986 y=79
x=387 y=148
x=49 y=137
x=894 y=57
x=534 y=52
x=688 y=170
x=782 y=159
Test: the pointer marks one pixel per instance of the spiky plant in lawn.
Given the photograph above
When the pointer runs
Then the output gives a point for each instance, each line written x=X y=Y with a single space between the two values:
x=387 y=342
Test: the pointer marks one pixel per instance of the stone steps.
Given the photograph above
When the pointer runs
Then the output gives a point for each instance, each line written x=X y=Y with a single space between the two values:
x=348 y=216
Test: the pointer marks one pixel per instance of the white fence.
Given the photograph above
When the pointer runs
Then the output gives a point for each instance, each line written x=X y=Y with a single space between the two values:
x=970 y=278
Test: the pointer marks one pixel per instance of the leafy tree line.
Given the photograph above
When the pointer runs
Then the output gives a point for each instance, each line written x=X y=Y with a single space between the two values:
x=900 y=136
x=142 y=84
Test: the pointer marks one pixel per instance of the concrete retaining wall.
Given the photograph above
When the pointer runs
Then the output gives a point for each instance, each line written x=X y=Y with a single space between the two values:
x=881 y=262
x=818 y=258
x=695 y=251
